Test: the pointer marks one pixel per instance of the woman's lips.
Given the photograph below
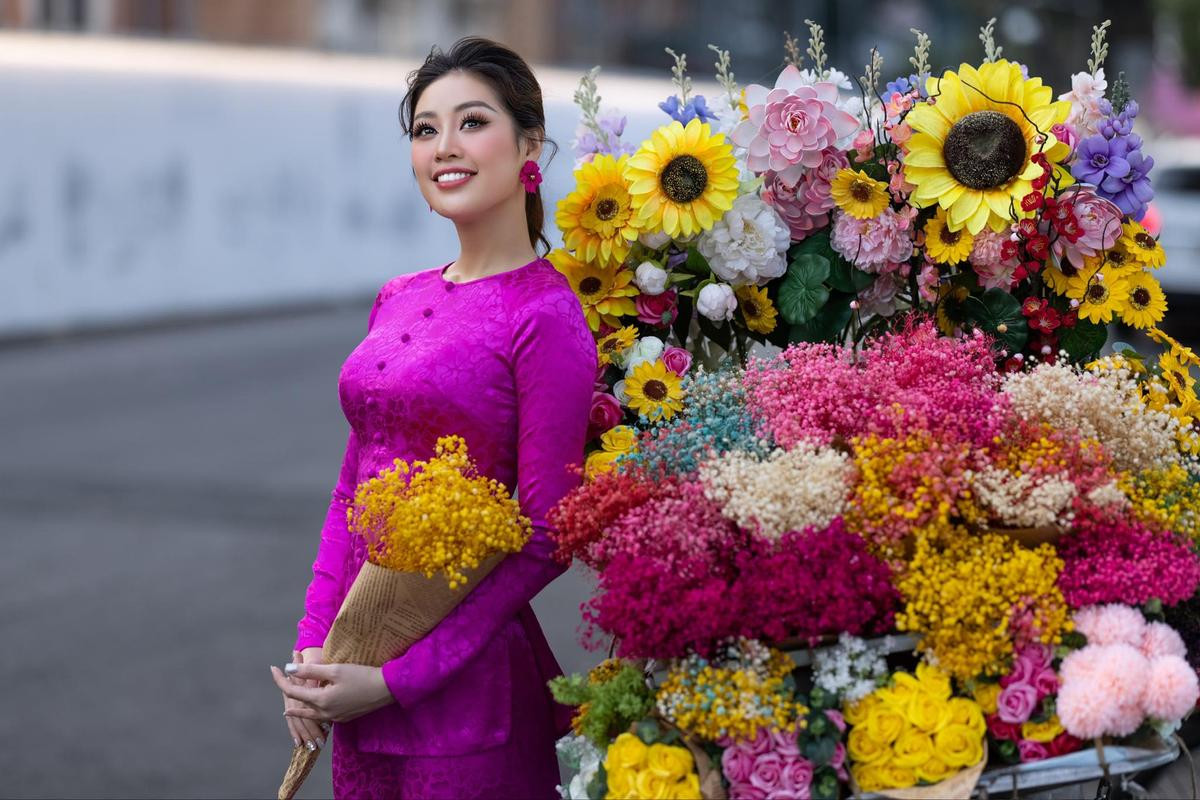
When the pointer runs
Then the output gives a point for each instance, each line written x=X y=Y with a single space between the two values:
x=446 y=184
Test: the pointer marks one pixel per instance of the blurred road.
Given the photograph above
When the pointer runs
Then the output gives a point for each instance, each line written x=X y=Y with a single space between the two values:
x=163 y=493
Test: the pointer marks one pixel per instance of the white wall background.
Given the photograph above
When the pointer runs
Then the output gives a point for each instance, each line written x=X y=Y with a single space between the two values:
x=141 y=180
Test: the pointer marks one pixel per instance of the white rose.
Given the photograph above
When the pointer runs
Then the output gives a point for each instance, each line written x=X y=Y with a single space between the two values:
x=651 y=278
x=654 y=240
x=717 y=301
x=647 y=348
x=619 y=392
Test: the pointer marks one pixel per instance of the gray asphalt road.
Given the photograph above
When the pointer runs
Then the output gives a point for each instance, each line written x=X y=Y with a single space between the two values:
x=162 y=495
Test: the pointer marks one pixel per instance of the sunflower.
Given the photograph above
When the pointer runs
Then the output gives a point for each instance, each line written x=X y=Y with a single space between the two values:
x=858 y=194
x=944 y=245
x=597 y=218
x=1116 y=259
x=1141 y=245
x=1058 y=279
x=616 y=342
x=682 y=179
x=756 y=307
x=974 y=140
x=1146 y=303
x=951 y=311
x=1100 y=295
x=605 y=294
x=654 y=391
x=1176 y=374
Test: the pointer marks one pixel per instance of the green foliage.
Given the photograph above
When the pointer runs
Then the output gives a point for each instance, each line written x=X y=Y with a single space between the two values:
x=609 y=707
x=999 y=313
x=1083 y=342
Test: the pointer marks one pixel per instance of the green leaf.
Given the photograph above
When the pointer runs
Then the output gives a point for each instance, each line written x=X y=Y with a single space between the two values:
x=696 y=263
x=998 y=308
x=819 y=751
x=1083 y=342
x=647 y=731
x=845 y=277
x=802 y=293
x=829 y=323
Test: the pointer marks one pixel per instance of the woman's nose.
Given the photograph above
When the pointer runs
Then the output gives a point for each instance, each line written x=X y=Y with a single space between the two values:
x=447 y=144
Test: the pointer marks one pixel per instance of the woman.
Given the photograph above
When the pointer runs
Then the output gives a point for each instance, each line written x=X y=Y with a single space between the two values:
x=492 y=346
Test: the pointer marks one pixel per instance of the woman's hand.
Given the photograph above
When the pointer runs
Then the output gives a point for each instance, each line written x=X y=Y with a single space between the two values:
x=311 y=732
x=348 y=691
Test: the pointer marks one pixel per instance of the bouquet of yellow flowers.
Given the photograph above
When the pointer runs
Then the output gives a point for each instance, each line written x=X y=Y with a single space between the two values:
x=635 y=769
x=433 y=529
x=914 y=732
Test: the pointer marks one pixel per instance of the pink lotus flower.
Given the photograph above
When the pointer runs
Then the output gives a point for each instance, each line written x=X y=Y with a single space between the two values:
x=1100 y=223
x=790 y=125
x=805 y=204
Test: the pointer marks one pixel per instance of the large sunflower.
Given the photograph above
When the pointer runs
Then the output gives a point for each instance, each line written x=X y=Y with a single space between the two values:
x=756 y=308
x=974 y=140
x=654 y=390
x=597 y=218
x=682 y=179
x=605 y=294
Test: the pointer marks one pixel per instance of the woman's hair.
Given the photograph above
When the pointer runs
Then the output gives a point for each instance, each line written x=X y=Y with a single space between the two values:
x=513 y=82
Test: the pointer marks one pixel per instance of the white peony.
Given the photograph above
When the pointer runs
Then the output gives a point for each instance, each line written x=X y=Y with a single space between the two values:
x=651 y=278
x=748 y=245
x=647 y=348
x=716 y=301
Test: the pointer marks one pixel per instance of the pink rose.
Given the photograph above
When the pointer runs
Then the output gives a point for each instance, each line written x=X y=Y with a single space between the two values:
x=746 y=791
x=798 y=775
x=761 y=743
x=1045 y=682
x=768 y=771
x=1038 y=654
x=1022 y=672
x=839 y=755
x=1032 y=751
x=677 y=360
x=863 y=146
x=1016 y=703
x=600 y=385
x=784 y=743
x=1003 y=730
x=835 y=716
x=657 y=309
x=605 y=414
x=737 y=764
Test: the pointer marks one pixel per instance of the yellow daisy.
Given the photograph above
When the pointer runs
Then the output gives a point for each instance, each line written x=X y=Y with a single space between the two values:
x=1141 y=245
x=606 y=295
x=1116 y=258
x=1057 y=279
x=1176 y=374
x=682 y=179
x=597 y=218
x=654 y=391
x=1099 y=295
x=944 y=245
x=757 y=308
x=1146 y=303
x=616 y=342
x=974 y=139
x=858 y=194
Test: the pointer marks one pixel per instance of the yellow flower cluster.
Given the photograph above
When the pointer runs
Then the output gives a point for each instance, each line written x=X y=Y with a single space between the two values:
x=437 y=516
x=1166 y=497
x=614 y=443
x=964 y=599
x=658 y=771
x=913 y=731
x=712 y=702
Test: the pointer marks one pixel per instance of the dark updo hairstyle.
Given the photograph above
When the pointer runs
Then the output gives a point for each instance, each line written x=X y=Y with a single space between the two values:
x=512 y=80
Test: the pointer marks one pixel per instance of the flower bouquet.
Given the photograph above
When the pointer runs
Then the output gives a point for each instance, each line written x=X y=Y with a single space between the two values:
x=437 y=516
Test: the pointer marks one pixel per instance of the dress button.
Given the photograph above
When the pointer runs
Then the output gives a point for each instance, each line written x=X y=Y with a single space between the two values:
x=381 y=365
x=449 y=286
x=405 y=337
x=378 y=437
x=370 y=402
x=428 y=312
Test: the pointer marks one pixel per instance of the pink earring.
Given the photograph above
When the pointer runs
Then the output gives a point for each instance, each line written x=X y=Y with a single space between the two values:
x=531 y=176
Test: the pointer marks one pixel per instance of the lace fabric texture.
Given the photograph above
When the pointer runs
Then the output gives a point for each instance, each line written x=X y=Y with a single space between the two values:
x=507 y=362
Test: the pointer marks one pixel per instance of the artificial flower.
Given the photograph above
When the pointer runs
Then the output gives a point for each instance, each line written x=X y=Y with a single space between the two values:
x=596 y=218
x=858 y=194
x=654 y=390
x=944 y=245
x=1145 y=304
x=757 y=308
x=606 y=295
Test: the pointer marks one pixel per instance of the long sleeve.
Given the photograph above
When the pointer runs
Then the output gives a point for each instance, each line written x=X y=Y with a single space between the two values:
x=321 y=601
x=554 y=364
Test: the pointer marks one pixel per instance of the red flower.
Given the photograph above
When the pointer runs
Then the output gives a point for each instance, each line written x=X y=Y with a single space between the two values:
x=1038 y=246
x=1032 y=201
x=1027 y=228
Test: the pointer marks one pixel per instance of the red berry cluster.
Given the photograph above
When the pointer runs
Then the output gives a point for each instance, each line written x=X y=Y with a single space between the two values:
x=1034 y=243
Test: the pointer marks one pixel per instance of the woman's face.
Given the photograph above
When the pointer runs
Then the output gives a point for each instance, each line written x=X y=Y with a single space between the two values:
x=462 y=132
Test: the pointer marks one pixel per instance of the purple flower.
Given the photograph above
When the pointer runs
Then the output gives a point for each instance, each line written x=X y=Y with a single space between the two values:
x=1098 y=158
x=1131 y=192
x=686 y=112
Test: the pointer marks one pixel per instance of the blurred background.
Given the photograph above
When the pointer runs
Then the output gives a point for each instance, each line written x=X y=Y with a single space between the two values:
x=198 y=202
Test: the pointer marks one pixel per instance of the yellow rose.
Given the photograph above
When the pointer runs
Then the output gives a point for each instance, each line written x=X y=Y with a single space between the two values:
x=856 y=713
x=688 y=788
x=669 y=762
x=865 y=748
x=903 y=687
x=1042 y=731
x=987 y=695
x=619 y=439
x=870 y=778
x=897 y=777
x=620 y=783
x=884 y=724
x=649 y=785
x=967 y=712
x=627 y=751
x=599 y=462
x=934 y=770
x=959 y=746
x=912 y=749
x=927 y=712
x=933 y=680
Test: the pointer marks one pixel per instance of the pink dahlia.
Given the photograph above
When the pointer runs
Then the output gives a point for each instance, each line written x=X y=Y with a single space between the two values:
x=1099 y=225
x=879 y=244
x=791 y=125
x=806 y=203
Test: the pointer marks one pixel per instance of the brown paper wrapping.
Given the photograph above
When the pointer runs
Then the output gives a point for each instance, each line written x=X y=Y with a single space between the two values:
x=384 y=613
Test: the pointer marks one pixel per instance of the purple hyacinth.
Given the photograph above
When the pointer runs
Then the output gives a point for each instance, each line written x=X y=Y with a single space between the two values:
x=686 y=112
x=1098 y=159
x=1131 y=192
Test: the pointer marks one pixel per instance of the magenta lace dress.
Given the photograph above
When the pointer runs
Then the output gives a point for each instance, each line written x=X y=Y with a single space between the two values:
x=507 y=362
